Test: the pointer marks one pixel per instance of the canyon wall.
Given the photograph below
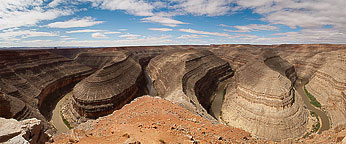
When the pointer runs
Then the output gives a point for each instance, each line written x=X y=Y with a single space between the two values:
x=263 y=102
x=188 y=78
x=29 y=78
x=328 y=86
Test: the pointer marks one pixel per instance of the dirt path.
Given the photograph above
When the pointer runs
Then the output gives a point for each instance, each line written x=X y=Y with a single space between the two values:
x=56 y=117
x=325 y=125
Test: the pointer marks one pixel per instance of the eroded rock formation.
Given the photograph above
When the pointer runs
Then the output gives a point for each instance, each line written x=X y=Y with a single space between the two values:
x=109 y=88
x=263 y=102
x=29 y=79
x=328 y=86
x=188 y=77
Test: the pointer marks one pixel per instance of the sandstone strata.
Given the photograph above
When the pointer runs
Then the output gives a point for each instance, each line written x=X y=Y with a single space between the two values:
x=328 y=86
x=31 y=79
x=263 y=102
x=109 y=88
x=188 y=77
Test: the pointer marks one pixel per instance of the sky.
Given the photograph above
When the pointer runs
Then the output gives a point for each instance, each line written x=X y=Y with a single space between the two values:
x=105 y=23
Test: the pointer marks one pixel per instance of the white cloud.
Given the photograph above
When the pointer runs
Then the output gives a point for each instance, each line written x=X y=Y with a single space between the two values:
x=205 y=7
x=15 y=34
x=99 y=35
x=130 y=36
x=293 y=13
x=83 y=22
x=112 y=32
x=55 y=3
x=251 y=27
x=65 y=39
x=192 y=36
x=17 y=13
x=167 y=21
x=133 y=7
x=160 y=29
x=161 y=40
x=84 y=31
x=205 y=33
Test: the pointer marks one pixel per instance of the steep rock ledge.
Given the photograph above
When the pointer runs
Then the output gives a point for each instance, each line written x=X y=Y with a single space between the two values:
x=328 y=86
x=188 y=78
x=264 y=103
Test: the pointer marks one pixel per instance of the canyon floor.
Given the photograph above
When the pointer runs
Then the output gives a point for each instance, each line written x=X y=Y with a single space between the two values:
x=174 y=94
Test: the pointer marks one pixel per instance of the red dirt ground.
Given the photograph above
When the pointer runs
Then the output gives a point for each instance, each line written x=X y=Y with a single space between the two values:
x=151 y=120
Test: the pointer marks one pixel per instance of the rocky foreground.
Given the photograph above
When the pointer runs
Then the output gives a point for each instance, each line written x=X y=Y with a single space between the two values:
x=153 y=120
x=254 y=86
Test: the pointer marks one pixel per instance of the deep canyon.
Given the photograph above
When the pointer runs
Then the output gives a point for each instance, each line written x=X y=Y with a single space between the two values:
x=181 y=93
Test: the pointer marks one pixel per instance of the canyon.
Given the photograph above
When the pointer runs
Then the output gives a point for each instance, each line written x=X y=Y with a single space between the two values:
x=229 y=93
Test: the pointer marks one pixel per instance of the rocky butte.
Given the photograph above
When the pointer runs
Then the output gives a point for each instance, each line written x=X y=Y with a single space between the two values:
x=174 y=94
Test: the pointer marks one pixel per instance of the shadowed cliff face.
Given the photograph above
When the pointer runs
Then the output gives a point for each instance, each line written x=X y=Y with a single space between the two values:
x=30 y=81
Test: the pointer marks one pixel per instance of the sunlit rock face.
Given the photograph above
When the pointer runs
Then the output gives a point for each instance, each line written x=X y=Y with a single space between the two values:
x=109 y=88
x=263 y=102
x=328 y=86
x=188 y=77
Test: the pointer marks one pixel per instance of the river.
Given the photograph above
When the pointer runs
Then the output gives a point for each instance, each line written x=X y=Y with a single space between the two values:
x=217 y=101
x=56 y=116
x=325 y=125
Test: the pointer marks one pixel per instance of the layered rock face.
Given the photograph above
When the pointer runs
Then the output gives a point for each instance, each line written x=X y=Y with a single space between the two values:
x=109 y=88
x=264 y=103
x=29 y=79
x=98 y=59
x=188 y=77
x=328 y=86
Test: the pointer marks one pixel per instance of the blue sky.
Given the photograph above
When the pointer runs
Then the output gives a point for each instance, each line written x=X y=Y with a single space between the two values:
x=98 y=23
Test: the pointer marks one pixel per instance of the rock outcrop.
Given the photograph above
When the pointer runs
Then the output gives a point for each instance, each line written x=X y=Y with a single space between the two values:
x=188 y=77
x=328 y=86
x=263 y=102
x=25 y=132
x=154 y=120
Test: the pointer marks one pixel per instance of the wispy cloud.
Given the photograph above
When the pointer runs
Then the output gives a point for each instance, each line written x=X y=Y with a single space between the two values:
x=192 y=36
x=204 y=7
x=160 y=29
x=84 y=31
x=251 y=27
x=134 y=7
x=99 y=36
x=167 y=21
x=72 y=23
x=17 y=13
x=130 y=36
x=205 y=33
x=25 y=34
